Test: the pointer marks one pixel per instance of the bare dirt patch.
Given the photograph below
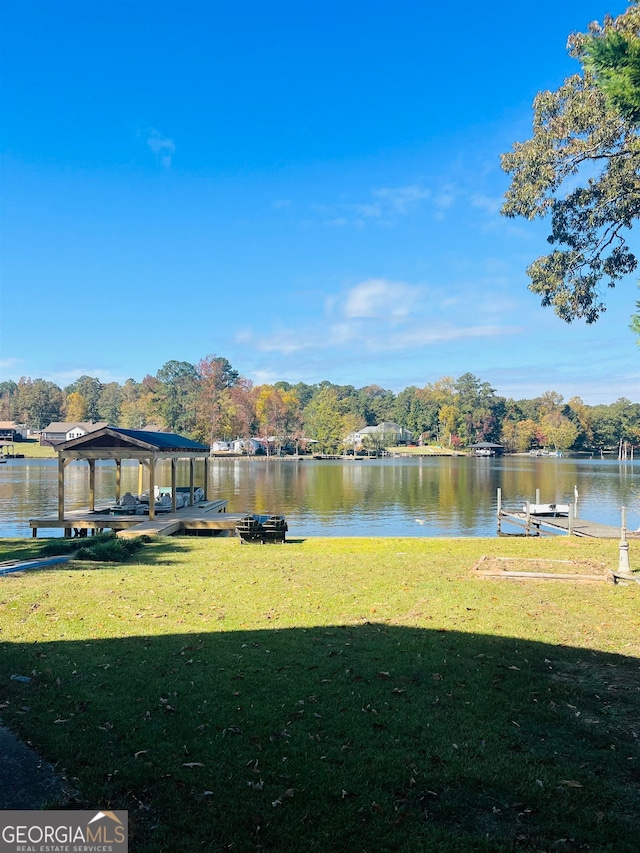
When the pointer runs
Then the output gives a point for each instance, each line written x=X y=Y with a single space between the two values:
x=587 y=571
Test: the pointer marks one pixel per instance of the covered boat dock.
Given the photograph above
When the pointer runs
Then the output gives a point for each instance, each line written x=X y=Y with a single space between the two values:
x=117 y=444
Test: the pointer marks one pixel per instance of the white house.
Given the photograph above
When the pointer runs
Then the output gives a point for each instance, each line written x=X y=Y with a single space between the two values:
x=391 y=432
x=249 y=445
x=11 y=431
x=64 y=431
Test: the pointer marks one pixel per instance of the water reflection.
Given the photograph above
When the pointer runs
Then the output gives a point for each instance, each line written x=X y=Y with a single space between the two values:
x=386 y=497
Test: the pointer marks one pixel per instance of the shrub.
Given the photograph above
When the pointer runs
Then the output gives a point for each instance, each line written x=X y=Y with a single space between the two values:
x=105 y=547
x=111 y=550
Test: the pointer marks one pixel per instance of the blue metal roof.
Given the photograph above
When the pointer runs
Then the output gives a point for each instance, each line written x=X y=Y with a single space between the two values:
x=161 y=440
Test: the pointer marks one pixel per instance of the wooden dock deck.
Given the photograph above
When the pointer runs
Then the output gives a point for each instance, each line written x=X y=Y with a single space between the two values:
x=541 y=525
x=204 y=516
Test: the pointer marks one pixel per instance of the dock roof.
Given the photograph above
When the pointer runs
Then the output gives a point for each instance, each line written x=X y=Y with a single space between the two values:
x=117 y=443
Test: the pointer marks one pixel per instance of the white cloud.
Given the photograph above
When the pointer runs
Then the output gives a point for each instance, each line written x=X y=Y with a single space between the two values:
x=490 y=204
x=9 y=365
x=163 y=147
x=384 y=207
x=359 y=336
x=379 y=297
x=379 y=315
x=265 y=377
x=402 y=199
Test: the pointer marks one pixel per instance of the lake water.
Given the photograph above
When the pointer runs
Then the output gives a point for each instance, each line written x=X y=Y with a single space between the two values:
x=446 y=496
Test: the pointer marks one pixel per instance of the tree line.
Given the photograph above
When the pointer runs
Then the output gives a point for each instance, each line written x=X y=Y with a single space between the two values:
x=211 y=401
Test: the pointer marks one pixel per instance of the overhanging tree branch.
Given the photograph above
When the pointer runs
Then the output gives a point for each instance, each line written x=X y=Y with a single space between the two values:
x=575 y=126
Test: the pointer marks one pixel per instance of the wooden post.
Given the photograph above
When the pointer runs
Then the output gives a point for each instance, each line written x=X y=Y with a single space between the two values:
x=527 y=526
x=206 y=478
x=61 y=467
x=140 y=475
x=537 y=496
x=92 y=484
x=152 y=488
x=173 y=484
x=191 y=491
x=118 y=478
x=499 y=510
x=570 y=527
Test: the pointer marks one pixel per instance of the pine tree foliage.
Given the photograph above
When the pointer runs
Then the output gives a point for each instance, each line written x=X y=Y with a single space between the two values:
x=612 y=54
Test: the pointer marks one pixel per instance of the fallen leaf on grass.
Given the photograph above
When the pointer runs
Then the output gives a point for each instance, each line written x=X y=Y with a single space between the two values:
x=140 y=752
x=288 y=793
x=570 y=783
x=275 y=735
x=193 y=764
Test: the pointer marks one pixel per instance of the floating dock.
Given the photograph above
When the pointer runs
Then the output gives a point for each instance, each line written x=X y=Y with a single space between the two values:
x=205 y=516
x=538 y=525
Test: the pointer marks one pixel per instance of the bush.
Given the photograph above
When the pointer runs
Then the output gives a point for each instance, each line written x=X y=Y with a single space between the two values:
x=111 y=550
x=103 y=548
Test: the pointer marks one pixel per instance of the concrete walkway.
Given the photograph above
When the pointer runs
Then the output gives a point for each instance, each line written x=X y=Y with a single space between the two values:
x=27 y=781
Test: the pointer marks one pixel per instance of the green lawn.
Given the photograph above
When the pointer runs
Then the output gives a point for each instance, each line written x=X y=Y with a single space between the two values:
x=32 y=450
x=427 y=450
x=335 y=694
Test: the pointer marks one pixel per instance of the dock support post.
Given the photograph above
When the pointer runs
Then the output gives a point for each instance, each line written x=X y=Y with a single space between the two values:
x=191 y=489
x=152 y=488
x=571 y=517
x=499 y=510
x=537 y=496
x=61 y=467
x=173 y=485
x=92 y=484
x=118 y=478
x=527 y=525
x=206 y=478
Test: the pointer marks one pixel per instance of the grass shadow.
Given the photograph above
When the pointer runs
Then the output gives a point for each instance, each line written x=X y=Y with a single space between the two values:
x=368 y=737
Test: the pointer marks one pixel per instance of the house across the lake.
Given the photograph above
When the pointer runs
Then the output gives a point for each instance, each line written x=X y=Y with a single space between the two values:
x=64 y=431
x=11 y=431
x=386 y=432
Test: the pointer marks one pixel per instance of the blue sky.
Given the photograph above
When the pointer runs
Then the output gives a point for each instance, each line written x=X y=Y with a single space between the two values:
x=310 y=189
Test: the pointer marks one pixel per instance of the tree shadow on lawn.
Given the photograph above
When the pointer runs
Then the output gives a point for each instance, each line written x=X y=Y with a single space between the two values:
x=368 y=737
